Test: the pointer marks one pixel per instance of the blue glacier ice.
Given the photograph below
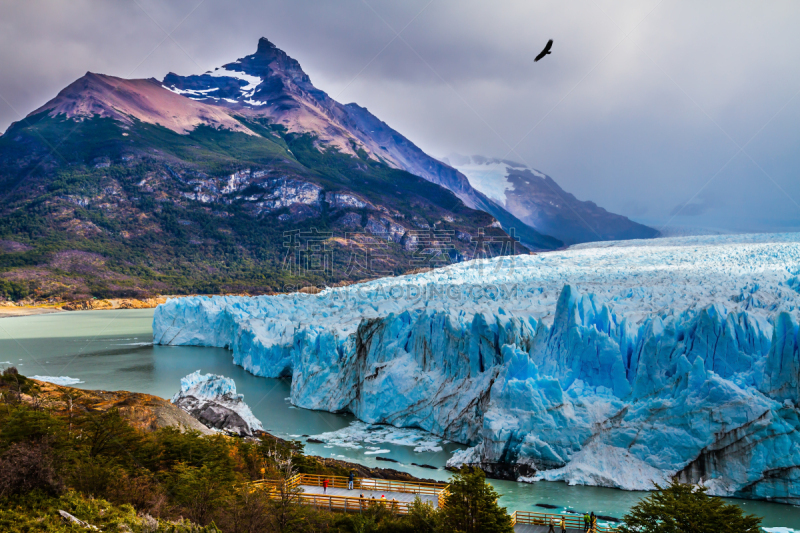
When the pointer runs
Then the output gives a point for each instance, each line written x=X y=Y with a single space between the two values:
x=212 y=399
x=615 y=364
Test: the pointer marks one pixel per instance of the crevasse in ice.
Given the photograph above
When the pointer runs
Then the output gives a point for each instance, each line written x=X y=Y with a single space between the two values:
x=615 y=364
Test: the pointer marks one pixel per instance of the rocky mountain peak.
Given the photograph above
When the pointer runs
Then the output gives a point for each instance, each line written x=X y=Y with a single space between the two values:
x=265 y=46
x=270 y=61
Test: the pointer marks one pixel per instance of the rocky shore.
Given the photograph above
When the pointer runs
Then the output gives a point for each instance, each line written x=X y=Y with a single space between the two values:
x=149 y=413
x=28 y=308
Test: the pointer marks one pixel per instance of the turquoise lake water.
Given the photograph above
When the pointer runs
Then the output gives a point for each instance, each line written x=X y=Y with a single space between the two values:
x=112 y=350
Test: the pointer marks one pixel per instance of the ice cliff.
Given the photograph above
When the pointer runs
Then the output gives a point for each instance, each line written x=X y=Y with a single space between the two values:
x=212 y=400
x=615 y=364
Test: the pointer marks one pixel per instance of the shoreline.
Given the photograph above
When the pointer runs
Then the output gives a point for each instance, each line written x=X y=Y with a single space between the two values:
x=13 y=311
x=109 y=304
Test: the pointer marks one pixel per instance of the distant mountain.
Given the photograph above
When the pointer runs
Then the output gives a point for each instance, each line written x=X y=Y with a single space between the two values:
x=540 y=202
x=122 y=188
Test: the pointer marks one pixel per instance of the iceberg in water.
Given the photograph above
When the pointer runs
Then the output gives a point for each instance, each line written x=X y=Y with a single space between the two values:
x=212 y=400
x=616 y=364
x=58 y=380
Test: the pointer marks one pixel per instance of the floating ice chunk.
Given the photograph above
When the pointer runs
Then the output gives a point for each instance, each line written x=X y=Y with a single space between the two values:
x=58 y=380
x=358 y=435
x=212 y=399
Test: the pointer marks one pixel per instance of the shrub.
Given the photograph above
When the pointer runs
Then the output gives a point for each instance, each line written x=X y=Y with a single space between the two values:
x=28 y=466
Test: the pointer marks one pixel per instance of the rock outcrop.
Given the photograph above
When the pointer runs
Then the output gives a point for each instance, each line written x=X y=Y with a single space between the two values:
x=213 y=401
x=144 y=411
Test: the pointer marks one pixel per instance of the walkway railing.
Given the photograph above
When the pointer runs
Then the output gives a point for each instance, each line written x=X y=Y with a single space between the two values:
x=440 y=490
x=374 y=484
x=351 y=503
x=571 y=521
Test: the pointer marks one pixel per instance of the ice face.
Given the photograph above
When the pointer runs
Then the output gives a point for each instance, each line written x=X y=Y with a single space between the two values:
x=199 y=391
x=615 y=364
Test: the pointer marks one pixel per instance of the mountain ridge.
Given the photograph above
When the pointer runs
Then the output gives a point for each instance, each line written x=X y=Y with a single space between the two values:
x=287 y=96
x=104 y=198
x=197 y=184
x=539 y=201
x=123 y=100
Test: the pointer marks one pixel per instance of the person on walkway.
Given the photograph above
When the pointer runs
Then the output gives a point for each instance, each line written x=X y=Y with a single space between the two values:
x=586 y=522
x=593 y=522
x=325 y=486
x=552 y=526
x=350 y=480
x=563 y=524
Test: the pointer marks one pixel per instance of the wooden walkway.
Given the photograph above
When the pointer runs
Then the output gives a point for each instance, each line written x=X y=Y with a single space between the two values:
x=406 y=497
x=527 y=528
x=398 y=496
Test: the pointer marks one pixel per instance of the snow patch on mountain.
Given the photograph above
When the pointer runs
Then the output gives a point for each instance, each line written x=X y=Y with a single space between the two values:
x=618 y=364
x=490 y=178
x=252 y=82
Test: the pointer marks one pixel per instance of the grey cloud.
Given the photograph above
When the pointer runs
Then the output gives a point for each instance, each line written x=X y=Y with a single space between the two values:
x=690 y=209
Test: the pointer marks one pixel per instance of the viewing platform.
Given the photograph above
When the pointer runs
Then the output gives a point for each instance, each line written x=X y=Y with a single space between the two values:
x=394 y=495
x=397 y=496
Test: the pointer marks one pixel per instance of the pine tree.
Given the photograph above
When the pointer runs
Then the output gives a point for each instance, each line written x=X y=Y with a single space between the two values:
x=682 y=508
x=471 y=505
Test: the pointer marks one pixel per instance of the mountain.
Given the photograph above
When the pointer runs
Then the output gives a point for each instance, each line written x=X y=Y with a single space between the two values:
x=122 y=188
x=271 y=85
x=540 y=202
x=96 y=95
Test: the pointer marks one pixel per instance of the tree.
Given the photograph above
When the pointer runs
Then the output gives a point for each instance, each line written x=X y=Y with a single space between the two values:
x=682 y=508
x=287 y=514
x=106 y=433
x=246 y=511
x=199 y=491
x=471 y=505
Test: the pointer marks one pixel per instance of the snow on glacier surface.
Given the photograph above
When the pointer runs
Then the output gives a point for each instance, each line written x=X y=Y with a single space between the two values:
x=616 y=364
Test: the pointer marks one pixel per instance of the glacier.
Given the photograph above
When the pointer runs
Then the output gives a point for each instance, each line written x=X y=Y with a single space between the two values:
x=212 y=400
x=617 y=364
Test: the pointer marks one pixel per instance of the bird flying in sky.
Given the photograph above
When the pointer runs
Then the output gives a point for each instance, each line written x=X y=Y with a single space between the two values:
x=544 y=52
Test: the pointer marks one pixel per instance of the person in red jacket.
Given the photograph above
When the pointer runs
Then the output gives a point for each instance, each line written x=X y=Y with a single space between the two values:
x=325 y=486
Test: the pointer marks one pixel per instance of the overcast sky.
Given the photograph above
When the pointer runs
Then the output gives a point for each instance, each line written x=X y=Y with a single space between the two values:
x=671 y=112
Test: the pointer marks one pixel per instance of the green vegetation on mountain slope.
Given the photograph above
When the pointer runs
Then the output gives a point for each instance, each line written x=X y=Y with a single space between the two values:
x=98 y=208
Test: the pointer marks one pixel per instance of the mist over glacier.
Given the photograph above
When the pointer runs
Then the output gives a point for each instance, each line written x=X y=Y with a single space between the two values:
x=615 y=364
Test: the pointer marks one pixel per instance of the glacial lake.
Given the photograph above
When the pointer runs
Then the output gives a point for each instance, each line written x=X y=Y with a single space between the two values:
x=112 y=350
